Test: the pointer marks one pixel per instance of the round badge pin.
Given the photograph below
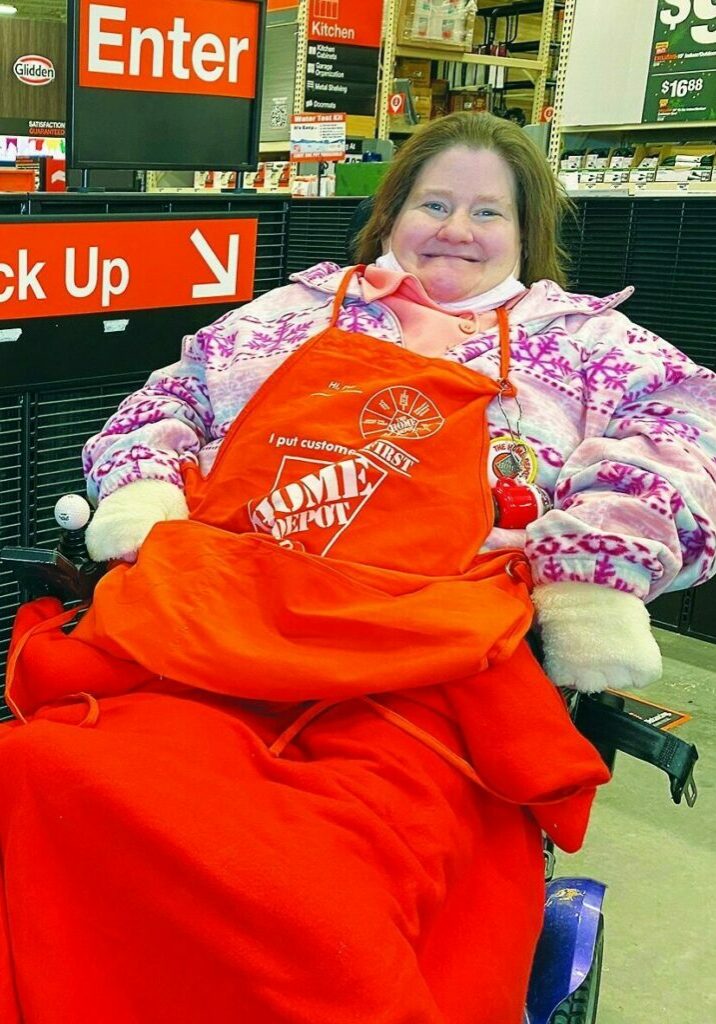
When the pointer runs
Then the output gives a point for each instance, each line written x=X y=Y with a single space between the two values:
x=511 y=459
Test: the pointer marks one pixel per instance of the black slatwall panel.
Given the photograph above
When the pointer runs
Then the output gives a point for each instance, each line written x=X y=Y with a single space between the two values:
x=692 y=316
x=317 y=231
x=666 y=248
x=11 y=452
x=271 y=248
x=604 y=247
x=54 y=429
x=61 y=423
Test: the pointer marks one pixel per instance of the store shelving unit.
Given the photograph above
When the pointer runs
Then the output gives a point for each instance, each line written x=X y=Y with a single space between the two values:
x=537 y=67
x=568 y=136
x=530 y=57
x=555 y=138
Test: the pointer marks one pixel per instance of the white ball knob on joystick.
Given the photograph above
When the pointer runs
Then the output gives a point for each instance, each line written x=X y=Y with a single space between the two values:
x=72 y=512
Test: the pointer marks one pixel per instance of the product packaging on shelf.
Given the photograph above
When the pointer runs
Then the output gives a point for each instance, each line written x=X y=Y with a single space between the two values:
x=682 y=164
x=596 y=162
x=645 y=170
x=439 y=24
x=619 y=165
x=571 y=160
x=641 y=167
x=214 y=181
x=269 y=176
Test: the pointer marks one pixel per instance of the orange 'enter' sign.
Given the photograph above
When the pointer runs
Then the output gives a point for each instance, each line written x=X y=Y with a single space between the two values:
x=196 y=47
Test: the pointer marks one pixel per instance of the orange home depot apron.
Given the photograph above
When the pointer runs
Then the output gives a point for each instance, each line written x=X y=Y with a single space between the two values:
x=366 y=851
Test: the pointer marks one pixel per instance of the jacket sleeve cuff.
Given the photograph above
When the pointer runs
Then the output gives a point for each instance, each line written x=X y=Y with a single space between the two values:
x=617 y=573
x=130 y=466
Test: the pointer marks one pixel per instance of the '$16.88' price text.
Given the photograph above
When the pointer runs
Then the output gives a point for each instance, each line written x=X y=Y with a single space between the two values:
x=681 y=86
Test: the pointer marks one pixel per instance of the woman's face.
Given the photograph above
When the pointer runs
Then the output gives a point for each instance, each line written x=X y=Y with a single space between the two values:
x=458 y=230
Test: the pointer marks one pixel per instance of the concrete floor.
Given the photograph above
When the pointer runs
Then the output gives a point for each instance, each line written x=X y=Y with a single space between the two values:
x=659 y=862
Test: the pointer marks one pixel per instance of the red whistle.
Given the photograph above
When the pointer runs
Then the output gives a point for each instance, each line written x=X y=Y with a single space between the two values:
x=517 y=504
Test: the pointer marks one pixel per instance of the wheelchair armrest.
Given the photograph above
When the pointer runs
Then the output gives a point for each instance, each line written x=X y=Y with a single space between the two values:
x=45 y=572
x=601 y=718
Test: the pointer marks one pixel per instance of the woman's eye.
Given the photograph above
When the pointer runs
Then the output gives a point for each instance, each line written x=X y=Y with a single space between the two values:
x=487 y=213
x=432 y=204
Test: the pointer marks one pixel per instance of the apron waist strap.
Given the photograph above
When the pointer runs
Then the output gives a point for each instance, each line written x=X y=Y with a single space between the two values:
x=436 y=745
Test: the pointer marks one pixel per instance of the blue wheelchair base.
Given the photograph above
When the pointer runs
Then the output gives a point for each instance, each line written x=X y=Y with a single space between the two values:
x=566 y=947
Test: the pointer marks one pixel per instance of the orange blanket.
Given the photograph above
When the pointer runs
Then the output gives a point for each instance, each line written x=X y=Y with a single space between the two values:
x=163 y=862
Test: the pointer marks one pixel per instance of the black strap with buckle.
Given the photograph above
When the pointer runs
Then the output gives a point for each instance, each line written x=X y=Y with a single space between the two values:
x=601 y=718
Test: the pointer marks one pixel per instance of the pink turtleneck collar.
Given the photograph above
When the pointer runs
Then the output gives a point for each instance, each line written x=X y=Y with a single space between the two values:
x=428 y=328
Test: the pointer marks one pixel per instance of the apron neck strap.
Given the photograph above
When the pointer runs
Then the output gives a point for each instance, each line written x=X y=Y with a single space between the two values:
x=503 y=322
x=341 y=293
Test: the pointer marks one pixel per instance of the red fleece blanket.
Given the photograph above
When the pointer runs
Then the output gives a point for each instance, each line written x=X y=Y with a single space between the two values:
x=163 y=862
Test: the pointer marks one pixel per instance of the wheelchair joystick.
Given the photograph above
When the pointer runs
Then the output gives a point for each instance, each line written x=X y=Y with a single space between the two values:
x=72 y=514
x=65 y=571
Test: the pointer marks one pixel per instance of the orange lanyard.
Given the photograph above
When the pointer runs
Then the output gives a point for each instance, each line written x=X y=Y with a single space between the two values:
x=503 y=322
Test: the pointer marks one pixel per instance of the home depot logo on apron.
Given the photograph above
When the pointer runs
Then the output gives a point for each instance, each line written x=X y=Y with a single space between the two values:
x=311 y=501
x=362 y=450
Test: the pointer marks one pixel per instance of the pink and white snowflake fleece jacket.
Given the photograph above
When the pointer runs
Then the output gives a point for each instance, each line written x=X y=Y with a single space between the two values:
x=623 y=424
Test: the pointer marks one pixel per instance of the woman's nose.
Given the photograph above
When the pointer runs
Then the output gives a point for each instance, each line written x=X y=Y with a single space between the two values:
x=457 y=228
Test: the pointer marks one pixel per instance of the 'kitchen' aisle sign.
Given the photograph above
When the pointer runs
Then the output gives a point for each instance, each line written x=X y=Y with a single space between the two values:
x=98 y=266
x=167 y=84
x=343 y=49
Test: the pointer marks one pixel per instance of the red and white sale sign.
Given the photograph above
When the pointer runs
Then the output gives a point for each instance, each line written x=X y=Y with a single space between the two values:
x=345 y=21
x=195 y=47
x=60 y=269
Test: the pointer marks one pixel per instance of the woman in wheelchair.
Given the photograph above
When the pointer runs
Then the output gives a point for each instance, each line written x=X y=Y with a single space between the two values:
x=293 y=764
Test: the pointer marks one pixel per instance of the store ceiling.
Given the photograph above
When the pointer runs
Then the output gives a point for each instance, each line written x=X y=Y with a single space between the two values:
x=43 y=10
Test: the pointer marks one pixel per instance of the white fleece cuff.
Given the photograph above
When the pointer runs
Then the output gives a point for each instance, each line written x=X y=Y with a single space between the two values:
x=124 y=518
x=595 y=637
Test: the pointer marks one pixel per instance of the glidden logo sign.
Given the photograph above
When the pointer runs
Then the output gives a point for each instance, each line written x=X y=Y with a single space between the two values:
x=34 y=70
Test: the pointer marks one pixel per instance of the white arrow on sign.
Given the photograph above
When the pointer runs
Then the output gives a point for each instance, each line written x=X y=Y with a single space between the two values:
x=226 y=276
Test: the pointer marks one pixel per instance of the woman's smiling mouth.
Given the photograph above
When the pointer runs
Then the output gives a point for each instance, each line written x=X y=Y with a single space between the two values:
x=450 y=256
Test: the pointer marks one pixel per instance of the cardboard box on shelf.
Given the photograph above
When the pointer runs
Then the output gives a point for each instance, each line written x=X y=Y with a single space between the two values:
x=423 y=104
x=305 y=185
x=569 y=179
x=639 y=175
x=621 y=158
x=214 y=181
x=414 y=68
x=401 y=125
x=438 y=24
x=440 y=90
x=475 y=100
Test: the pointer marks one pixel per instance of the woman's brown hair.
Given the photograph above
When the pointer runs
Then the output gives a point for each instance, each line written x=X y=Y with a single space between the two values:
x=541 y=202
